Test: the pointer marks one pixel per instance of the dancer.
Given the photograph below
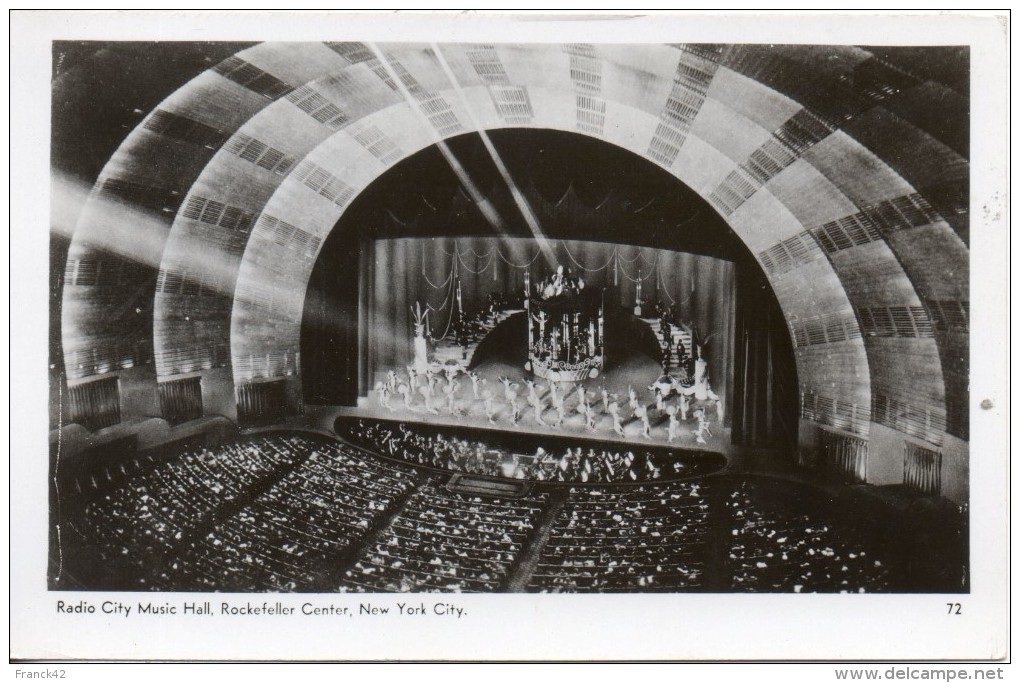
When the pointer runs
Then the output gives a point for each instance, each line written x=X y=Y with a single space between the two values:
x=614 y=411
x=605 y=400
x=510 y=393
x=674 y=424
x=658 y=396
x=406 y=391
x=535 y=401
x=383 y=389
x=475 y=380
x=703 y=426
x=426 y=391
x=451 y=397
x=412 y=376
x=557 y=403
x=685 y=405
x=589 y=416
x=641 y=413
x=489 y=403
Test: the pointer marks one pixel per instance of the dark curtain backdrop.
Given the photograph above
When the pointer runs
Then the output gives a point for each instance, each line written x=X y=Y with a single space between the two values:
x=765 y=379
x=405 y=271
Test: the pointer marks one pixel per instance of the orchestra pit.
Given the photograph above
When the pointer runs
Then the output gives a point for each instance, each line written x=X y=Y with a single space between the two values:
x=373 y=318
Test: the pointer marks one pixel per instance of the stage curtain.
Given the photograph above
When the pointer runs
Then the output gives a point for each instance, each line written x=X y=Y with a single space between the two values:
x=406 y=271
x=765 y=377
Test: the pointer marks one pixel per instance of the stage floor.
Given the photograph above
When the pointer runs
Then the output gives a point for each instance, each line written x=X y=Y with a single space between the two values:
x=637 y=371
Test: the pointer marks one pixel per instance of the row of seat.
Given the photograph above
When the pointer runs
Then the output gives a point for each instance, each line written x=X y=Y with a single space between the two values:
x=295 y=535
x=775 y=548
x=300 y=512
x=140 y=522
x=445 y=541
x=636 y=538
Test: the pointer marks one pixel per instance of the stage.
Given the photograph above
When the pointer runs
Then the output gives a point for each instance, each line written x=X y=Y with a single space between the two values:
x=637 y=371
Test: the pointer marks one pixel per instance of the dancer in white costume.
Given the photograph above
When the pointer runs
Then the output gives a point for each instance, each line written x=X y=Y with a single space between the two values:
x=561 y=411
x=641 y=413
x=555 y=397
x=703 y=426
x=421 y=349
x=432 y=377
x=633 y=398
x=383 y=389
x=535 y=400
x=674 y=424
x=605 y=400
x=406 y=391
x=657 y=397
x=614 y=411
x=489 y=402
x=475 y=379
x=412 y=376
x=426 y=392
x=510 y=393
x=451 y=397
x=589 y=415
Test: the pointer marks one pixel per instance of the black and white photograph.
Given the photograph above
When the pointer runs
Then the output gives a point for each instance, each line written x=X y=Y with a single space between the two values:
x=340 y=325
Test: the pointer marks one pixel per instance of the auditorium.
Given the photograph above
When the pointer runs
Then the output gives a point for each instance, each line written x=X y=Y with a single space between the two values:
x=396 y=317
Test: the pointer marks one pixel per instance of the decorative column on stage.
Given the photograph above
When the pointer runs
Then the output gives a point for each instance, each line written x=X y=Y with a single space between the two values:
x=460 y=302
x=637 y=296
x=421 y=350
x=602 y=339
x=527 y=307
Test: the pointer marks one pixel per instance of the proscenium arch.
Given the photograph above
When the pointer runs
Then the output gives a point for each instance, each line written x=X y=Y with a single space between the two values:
x=255 y=324
x=737 y=109
x=579 y=189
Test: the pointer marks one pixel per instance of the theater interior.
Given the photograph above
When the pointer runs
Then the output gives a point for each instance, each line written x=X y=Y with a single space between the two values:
x=514 y=318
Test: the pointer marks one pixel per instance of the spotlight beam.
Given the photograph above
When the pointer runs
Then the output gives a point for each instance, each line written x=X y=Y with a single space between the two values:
x=480 y=200
x=519 y=199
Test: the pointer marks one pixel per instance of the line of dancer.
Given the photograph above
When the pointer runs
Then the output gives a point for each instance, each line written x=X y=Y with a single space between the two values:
x=667 y=402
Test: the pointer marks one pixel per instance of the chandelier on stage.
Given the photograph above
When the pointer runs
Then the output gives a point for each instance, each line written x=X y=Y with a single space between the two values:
x=566 y=325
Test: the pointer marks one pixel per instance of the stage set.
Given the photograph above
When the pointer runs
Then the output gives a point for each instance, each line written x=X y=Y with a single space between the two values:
x=609 y=303
x=516 y=343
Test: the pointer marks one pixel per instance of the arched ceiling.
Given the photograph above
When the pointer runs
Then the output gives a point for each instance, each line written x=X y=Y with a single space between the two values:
x=828 y=162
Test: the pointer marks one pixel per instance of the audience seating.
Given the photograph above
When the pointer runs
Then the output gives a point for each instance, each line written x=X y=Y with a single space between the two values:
x=627 y=539
x=444 y=541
